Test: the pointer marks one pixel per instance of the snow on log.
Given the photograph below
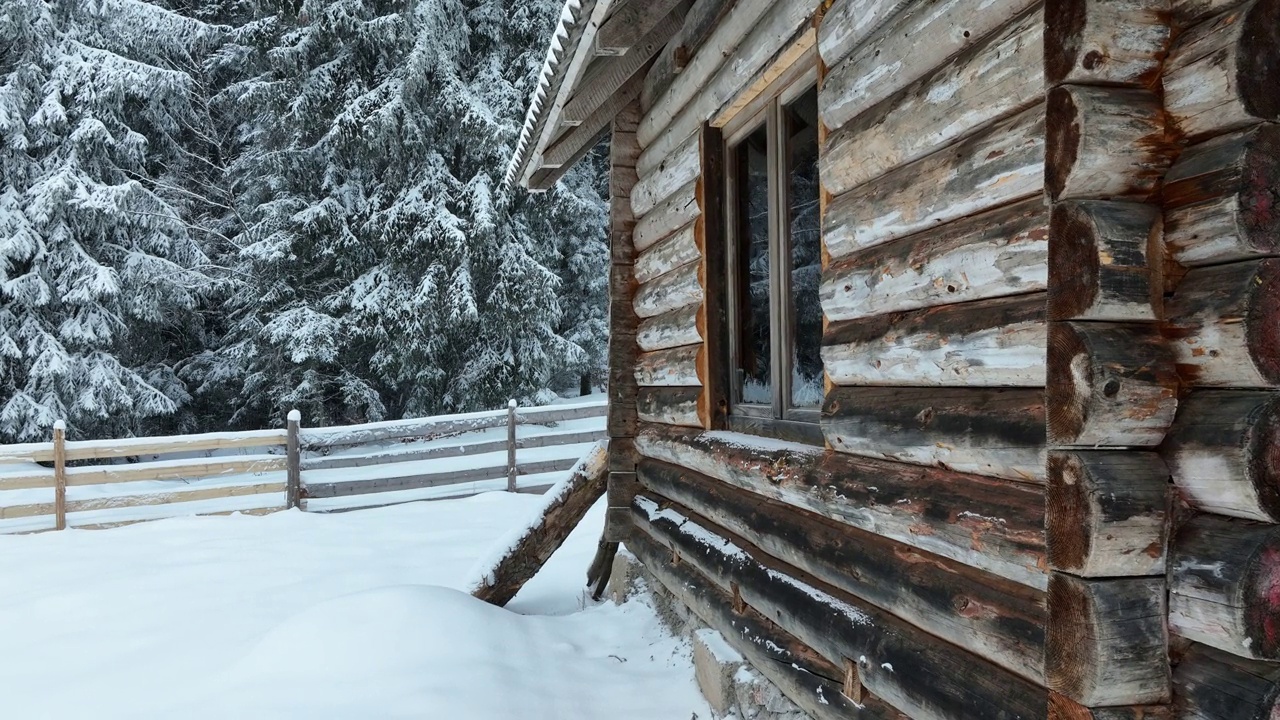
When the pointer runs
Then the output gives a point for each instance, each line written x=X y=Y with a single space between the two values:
x=1224 y=325
x=523 y=553
x=1224 y=452
x=1105 y=261
x=1106 y=42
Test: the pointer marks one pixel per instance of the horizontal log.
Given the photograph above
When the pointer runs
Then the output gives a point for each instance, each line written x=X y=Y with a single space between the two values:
x=1213 y=685
x=669 y=216
x=1187 y=13
x=671 y=329
x=676 y=170
x=671 y=406
x=806 y=678
x=1222 y=586
x=1001 y=165
x=793 y=431
x=1222 y=74
x=631 y=20
x=672 y=291
x=1107 y=643
x=1105 y=143
x=1002 y=252
x=1105 y=261
x=677 y=367
x=1064 y=708
x=1224 y=453
x=987 y=523
x=997 y=77
x=985 y=431
x=890 y=654
x=911 y=43
x=133 y=447
x=174 y=469
x=667 y=255
x=1109 y=385
x=1220 y=202
x=144 y=500
x=931 y=592
x=1225 y=325
x=1106 y=42
x=991 y=343
x=847 y=24
x=1107 y=513
x=703 y=18
x=606 y=73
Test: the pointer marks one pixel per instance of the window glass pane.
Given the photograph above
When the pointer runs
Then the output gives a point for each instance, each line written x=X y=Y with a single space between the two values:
x=805 y=249
x=754 y=382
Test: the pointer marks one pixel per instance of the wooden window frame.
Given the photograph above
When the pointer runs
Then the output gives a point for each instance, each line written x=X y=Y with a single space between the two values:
x=765 y=110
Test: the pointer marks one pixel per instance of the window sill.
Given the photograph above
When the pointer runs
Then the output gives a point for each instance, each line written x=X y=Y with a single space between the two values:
x=805 y=432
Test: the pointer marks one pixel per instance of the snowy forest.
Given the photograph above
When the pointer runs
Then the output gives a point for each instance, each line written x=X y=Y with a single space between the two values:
x=214 y=211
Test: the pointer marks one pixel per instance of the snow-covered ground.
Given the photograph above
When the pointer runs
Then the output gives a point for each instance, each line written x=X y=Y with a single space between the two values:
x=296 y=615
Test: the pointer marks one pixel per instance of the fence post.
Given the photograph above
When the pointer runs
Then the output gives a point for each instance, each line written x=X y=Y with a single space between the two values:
x=60 y=475
x=293 y=461
x=511 y=445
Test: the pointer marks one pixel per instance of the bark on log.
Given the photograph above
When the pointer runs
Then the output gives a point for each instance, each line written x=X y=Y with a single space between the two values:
x=671 y=406
x=667 y=255
x=1106 y=42
x=989 y=343
x=1108 y=513
x=1002 y=252
x=1107 y=643
x=996 y=78
x=1109 y=385
x=1105 y=143
x=808 y=679
x=677 y=367
x=1222 y=586
x=933 y=593
x=1000 y=433
x=564 y=507
x=1221 y=199
x=891 y=654
x=1001 y=165
x=1225 y=325
x=1224 y=453
x=672 y=329
x=1213 y=685
x=1106 y=261
x=678 y=169
x=672 y=291
x=939 y=511
x=1222 y=74
x=906 y=47
x=669 y=216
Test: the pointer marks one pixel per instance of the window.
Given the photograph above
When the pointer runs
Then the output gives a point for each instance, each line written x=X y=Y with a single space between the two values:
x=775 y=259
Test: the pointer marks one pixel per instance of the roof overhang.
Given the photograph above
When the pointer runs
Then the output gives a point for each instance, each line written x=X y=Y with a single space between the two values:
x=595 y=67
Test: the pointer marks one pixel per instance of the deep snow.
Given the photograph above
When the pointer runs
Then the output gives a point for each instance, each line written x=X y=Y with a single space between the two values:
x=297 y=615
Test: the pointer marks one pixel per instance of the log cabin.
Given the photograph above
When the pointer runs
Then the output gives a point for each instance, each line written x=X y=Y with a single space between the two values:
x=945 y=341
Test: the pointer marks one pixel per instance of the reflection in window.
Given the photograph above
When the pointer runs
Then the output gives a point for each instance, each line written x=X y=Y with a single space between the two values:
x=805 y=250
x=755 y=383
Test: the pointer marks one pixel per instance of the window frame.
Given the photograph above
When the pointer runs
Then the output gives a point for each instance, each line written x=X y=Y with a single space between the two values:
x=768 y=110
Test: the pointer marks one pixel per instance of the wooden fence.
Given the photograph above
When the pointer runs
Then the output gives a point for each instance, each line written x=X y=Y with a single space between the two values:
x=101 y=483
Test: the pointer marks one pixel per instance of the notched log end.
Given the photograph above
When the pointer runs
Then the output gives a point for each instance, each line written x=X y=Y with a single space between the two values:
x=1258 y=72
x=1065 y=21
x=1067 y=513
x=1261 y=595
x=1260 y=195
x=1073 y=262
x=1062 y=144
x=1263 y=455
x=1263 y=321
x=1070 y=384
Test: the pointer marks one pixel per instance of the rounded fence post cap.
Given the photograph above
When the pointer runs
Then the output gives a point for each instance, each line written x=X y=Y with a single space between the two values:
x=512 y=403
x=60 y=425
x=295 y=416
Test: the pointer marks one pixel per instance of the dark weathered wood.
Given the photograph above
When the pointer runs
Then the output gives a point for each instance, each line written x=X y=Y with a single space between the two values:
x=702 y=18
x=1105 y=143
x=512 y=469
x=909 y=44
x=1225 y=325
x=1222 y=74
x=607 y=74
x=1064 y=708
x=933 y=593
x=1107 y=643
x=293 y=460
x=796 y=431
x=672 y=291
x=672 y=406
x=713 y=323
x=677 y=367
x=997 y=77
x=1105 y=261
x=1224 y=452
x=801 y=674
x=994 y=343
x=576 y=142
x=672 y=329
x=992 y=524
x=678 y=210
x=1108 y=42
x=631 y=22
x=1108 y=513
x=623 y=321
x=1109 y=385
x=1213 y=685
x=891 y=654
x=1223 y=575
x=564 y=506
x=1002 y=252
x=60 y=475
x=978 y=430
x=667 y=255
x=1000 y=165
x=1220 y=199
